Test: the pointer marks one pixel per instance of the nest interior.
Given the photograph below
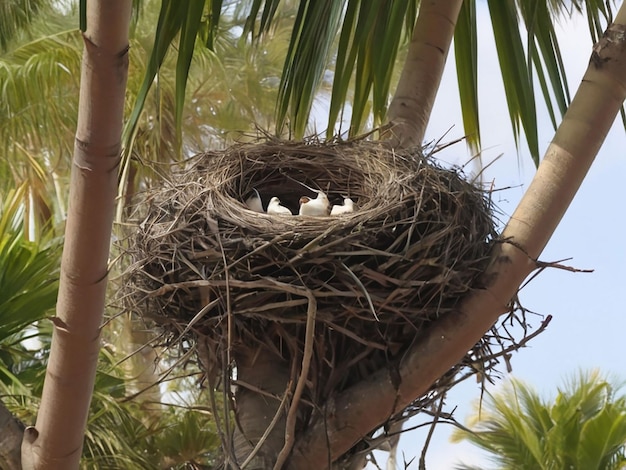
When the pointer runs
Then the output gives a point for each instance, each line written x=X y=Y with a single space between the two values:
x=206 y=266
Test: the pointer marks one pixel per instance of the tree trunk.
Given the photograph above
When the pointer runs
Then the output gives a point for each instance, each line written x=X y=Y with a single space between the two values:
x=56 y=441
x=409 y=111
x=11 y=431
x=369 y=404
x=262 y=371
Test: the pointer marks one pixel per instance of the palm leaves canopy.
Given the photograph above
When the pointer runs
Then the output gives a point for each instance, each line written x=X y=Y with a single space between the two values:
x=16 y=17
x=352 y=61
x=119 y=433
x=357 y=43
x=584 y=427
x=39 y=89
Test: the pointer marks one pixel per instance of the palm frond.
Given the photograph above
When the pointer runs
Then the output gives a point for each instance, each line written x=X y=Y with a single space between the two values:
x=28 y=270
x=251 y=13
x=466 y=56
x=602 y=436
x=118 y=433
x=17 y=15
x=516 y=74
x=370 y=39
x=171 y=18
x=188 y=34
x=39 y=93
x=314 y=31
x=584 y=427
x=367 y=37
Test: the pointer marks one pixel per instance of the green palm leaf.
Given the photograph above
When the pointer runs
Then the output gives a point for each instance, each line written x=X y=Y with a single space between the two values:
x=368 y=36
x=466 y=56
x=602 y=436
x=171 y=18
x=39 y=93
x=28 y=270
x=516 y=73
x=314 y=31
x=546 y=54
x=585 y=426
x=16 y=16
x=189 y=31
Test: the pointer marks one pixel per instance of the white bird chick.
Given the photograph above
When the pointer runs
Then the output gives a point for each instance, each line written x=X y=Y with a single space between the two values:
x=274 y=208
x=254 y=202
x=316 y=207
x=347 y=207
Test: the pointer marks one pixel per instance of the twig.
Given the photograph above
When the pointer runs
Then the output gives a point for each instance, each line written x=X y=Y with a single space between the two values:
x=422 y=465
x=218 y=423
x=227 y=407
x=360 y=284
x=216 y=231
x=522 y=342
x=541 y=265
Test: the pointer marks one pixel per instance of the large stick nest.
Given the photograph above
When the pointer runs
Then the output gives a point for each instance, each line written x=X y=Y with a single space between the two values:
x=206 y=266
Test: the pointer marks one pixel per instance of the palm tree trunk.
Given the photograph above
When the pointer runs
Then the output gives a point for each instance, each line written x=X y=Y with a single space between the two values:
x=10 y=439
x=409 y=111
x=263 y=380
x=56 y=441
x=564 y=166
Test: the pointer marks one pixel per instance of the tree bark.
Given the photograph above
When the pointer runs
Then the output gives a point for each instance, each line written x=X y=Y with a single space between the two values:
x=263 y=372
x=57 y=439
x=369 y=404
x=11 y=431
x=409 y=111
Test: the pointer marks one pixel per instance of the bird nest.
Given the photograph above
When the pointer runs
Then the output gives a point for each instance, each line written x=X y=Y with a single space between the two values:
x=206 y=267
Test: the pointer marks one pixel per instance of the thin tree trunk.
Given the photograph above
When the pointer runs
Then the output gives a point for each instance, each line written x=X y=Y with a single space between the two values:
x=11 y=431
x=56 y=442
x=367 y=405
x=409 y=111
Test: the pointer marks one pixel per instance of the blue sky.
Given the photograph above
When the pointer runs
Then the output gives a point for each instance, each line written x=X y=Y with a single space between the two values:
x=589 y=316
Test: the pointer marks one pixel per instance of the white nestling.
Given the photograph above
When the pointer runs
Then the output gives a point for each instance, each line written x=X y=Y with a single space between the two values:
x=316 y=207
x=254 y=202
x=346 y=208
x=274 y=208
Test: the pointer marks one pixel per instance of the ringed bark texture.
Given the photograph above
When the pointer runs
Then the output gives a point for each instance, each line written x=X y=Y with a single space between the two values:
x=56 y=441
x=410 y=109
